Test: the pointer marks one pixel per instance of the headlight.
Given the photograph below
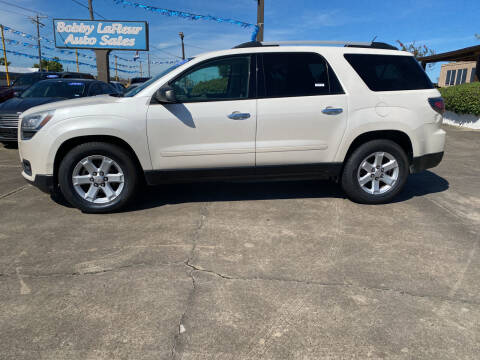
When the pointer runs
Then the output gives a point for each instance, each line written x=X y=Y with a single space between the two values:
x=34 y=122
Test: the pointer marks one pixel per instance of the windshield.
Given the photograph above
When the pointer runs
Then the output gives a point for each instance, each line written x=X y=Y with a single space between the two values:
x=140 y=87
x=26 y=80
x=63 y=89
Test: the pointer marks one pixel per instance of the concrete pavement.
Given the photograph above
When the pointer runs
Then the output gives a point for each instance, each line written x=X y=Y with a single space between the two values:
x=288 y=270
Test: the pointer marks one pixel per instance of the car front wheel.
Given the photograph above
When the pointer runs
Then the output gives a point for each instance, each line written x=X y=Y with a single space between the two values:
x=98 y=177
x=375 y=172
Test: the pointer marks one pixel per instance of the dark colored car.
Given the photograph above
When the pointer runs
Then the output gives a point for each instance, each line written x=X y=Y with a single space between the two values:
x=137 y=80
x=118 y=86
x=23 y=82
x=43 y=92
x=76 y=75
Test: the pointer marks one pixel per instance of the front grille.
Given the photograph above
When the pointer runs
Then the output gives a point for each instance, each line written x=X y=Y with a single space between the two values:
x=9 y=121
x=8 y=134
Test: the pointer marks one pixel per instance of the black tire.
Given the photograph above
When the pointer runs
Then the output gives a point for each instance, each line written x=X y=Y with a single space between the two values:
x=350 y=182
x=119 y=155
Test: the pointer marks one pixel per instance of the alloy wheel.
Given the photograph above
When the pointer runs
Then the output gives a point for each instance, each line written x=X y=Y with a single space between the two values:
x=378 y=173
x=98 y=179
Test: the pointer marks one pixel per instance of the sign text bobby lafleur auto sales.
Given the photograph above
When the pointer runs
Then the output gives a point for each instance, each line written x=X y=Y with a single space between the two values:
x=96 y=34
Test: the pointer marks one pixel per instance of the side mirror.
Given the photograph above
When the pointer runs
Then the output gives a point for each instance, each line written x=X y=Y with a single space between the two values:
x=165 y=95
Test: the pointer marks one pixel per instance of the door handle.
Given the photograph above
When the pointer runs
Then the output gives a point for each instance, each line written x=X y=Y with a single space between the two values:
x=237 y=115
x=329 y=110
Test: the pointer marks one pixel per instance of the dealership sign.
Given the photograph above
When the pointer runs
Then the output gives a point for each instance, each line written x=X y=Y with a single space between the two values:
x=101 y=34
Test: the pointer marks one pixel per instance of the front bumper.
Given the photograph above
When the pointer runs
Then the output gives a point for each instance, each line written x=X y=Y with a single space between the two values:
x=43 y=182
x=8 y=134
x=426 y=161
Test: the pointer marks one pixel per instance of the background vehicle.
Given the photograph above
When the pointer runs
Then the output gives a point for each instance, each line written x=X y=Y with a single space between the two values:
x=118 y=86
x=24 y=82
x=134 y=82
x=42 y=92
x=27 y=80
x=76 y=75
x=366 y=115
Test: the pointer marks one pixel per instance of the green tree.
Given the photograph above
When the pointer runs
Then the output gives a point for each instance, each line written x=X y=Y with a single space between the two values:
x=2 y=61
x=50 y=65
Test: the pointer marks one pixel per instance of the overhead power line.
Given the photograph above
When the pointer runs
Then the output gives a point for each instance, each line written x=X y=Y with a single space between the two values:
x=23 y=8
x=86 y=7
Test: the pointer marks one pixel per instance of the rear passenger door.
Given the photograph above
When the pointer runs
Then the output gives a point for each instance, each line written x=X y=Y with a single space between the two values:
x=301 y=110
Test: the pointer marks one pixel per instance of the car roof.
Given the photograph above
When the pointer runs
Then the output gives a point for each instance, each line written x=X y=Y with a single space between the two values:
x=70 y=80
x=303 y=48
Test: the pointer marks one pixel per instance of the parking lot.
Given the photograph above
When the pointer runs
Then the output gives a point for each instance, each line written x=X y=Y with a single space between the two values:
x=285 y=270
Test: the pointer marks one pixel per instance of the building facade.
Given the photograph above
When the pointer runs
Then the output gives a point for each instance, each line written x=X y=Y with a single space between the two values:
x=456 y=73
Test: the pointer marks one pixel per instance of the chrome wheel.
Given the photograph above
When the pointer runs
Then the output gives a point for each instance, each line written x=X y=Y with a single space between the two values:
x=98 y=179
x=378 y=173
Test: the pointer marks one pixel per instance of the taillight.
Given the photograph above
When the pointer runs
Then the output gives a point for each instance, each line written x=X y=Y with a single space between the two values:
x=437 y=104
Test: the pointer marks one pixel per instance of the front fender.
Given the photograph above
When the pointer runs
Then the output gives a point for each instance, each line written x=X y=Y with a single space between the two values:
x=132 y=132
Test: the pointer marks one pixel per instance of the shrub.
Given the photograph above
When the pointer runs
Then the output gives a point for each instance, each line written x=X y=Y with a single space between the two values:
x=462 y=99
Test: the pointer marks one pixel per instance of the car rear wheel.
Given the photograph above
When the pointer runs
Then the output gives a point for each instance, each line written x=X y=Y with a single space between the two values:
x=375 y=172
x=98 y=177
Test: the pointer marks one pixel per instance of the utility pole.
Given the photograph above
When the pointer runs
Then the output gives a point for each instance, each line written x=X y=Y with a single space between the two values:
x=90 y=9
x=36 y=20
x=5 y=57
x=183 y=46
x=260 y=19
x=141 y=73
x=103 y=65
x=116 y=73
x=76 y=57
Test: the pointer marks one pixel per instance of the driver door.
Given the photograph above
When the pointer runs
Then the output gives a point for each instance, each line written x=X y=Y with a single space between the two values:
x=213 y=122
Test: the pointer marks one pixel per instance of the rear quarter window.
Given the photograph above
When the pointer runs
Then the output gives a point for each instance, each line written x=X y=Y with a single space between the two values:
x=389 y=72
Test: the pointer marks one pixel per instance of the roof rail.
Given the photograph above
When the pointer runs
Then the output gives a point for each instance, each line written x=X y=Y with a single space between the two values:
x=315 y=42
x=375 y=45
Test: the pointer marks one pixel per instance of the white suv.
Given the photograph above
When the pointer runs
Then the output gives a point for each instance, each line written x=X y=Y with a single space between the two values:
x=365 y=114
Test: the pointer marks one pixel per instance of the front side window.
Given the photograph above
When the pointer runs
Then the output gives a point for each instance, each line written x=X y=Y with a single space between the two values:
x=222 y=79
x=389 y=72
x=298 y=74
x=95 y=89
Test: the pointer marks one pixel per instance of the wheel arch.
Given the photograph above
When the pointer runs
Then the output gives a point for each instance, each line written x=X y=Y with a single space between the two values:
x=69 y=144
x=397 y=136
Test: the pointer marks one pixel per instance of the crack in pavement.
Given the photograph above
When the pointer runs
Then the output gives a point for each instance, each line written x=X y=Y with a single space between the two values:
x=81 y=273
x=336 y=284
x=195 y=237
x=14 y=191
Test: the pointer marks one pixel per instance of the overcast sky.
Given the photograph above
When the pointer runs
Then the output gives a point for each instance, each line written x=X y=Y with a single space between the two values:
x=442 y=25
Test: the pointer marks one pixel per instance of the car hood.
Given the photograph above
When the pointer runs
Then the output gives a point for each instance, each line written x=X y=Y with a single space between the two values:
x=17 y=104
x=74 y=103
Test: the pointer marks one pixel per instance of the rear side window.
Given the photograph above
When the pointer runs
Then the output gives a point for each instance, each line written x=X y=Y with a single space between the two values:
x=389 y=72
x=298 y=74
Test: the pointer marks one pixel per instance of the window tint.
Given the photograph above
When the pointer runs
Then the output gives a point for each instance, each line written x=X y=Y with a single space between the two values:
x=298 y=74
x=389 y=72
x=223 y=79
x=95 y=89
x=106 y=89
